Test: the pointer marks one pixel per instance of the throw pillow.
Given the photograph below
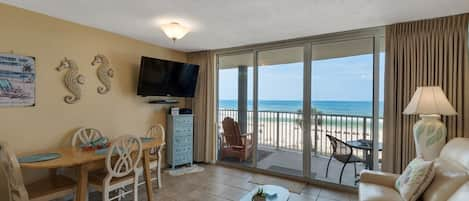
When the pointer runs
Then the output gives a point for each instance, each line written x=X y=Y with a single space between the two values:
x=415 y=179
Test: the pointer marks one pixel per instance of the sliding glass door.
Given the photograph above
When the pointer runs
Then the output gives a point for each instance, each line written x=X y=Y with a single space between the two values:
x=342 y=109
x=235 y=109
x=280 y=102
x=309 y=108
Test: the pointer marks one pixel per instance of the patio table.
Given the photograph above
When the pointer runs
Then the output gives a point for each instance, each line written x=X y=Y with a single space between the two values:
x=367 y=147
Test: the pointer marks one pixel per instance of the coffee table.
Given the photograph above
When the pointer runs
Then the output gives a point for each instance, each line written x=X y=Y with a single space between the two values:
x=282 y=193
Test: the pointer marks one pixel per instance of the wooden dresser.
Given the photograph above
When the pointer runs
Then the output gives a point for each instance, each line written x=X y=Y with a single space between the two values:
x=179 y=139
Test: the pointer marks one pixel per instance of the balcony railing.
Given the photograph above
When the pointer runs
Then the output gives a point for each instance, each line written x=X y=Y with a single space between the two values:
x=284 y=130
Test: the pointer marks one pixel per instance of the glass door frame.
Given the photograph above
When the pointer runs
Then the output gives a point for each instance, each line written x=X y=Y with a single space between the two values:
x=375 y=34
x=255 y=119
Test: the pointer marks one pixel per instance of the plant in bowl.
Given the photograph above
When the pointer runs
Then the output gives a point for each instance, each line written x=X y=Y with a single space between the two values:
x=260 y=195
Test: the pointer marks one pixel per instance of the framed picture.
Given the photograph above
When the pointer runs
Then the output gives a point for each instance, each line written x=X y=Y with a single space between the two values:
x=17 y=80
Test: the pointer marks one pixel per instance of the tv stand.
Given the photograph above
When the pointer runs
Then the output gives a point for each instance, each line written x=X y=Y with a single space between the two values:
x=169 y=101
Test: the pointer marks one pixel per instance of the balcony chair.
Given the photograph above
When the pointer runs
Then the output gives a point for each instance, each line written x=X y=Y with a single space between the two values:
x=155 y=153
x=85 y=136
x=233 y=143
x=49 y=188
x=342 y=152
x=122 y=161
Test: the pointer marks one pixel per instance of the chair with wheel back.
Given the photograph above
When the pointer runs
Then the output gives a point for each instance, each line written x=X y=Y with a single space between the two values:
x=49 y=188
x=122 y=162
x=343 y=153
x=85 y=136
x=156 y=132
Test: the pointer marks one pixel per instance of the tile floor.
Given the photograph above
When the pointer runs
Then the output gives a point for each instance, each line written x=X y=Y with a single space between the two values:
x=219 y=183
x=291 y=163
x=294 y=160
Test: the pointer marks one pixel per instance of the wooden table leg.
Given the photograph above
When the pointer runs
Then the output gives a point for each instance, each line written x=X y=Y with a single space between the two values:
x=52 y=173
x=82 y=185
x=147 y=174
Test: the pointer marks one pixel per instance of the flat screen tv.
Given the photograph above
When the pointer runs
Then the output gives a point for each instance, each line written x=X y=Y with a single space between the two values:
x=166 y=78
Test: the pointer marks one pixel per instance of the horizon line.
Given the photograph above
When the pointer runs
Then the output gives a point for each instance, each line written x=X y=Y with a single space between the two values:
x=302 y=100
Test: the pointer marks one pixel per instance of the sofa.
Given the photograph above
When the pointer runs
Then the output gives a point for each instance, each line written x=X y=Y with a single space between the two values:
x=451 y=181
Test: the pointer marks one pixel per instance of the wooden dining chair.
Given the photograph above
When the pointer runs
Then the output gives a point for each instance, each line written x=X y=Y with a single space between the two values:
x=343 y=153
x=121 y=165
x=157 y=132
x=85 y=135
x=53 y=187
x=4 y=185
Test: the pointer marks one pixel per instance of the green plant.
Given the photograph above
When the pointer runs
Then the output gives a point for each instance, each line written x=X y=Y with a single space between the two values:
x=260 y=195
x=314 y=113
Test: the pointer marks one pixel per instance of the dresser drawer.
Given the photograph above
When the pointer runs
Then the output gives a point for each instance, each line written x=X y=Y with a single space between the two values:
x=178 y=140
x=183 y=131
x=183 y=120
x=183 y=159
x=182 y=150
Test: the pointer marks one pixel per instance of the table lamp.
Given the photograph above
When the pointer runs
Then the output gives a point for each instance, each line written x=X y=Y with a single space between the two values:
x=429 y=132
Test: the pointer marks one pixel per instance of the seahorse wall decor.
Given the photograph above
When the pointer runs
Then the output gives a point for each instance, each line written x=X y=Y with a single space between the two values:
x=104 y=72
x=72 y=80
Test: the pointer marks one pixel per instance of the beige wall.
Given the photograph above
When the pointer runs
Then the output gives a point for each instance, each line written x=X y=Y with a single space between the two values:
x=51 y=122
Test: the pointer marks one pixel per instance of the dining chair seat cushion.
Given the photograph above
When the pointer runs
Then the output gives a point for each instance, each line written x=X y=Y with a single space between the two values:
x=343 y=158
x=50 y=188
x=96 y=179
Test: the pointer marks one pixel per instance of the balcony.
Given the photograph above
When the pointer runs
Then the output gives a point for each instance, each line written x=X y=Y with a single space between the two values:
x=280 y=141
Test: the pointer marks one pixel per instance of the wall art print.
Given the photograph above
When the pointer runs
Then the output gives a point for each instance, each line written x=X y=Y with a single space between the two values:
x=17 y=80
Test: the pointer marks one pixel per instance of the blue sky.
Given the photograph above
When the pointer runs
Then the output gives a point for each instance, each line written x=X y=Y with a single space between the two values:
x=345 y=78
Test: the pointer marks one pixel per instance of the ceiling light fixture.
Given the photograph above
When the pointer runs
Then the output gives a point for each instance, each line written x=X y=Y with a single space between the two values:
x=174 y=30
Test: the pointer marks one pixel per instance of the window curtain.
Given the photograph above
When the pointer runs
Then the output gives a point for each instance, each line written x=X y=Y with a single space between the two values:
x=203 y=106
x=423 y=53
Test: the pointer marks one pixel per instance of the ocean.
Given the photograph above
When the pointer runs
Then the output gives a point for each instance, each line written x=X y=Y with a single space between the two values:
x=362 y=108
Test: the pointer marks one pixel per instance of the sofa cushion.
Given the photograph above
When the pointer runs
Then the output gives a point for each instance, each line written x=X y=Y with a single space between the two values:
x=457 y=151
x=374 y=192
x=462 y=194
x=380 y=178
x=415 y=179
x=449 y=176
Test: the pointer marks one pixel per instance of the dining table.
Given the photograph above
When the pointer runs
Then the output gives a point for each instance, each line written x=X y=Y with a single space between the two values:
x=86 y=161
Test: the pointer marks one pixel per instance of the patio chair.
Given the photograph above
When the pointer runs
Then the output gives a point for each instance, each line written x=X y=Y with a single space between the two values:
x=233 y=143
x=342 y=152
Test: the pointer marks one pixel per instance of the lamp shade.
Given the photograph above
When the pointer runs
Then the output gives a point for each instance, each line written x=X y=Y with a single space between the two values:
x=429 y=100
x=174 y=30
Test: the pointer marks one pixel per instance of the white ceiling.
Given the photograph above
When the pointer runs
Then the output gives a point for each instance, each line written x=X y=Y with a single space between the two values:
x=227 y=23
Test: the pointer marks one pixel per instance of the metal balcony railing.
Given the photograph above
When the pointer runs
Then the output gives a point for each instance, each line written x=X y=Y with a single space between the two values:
x=284 y=130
